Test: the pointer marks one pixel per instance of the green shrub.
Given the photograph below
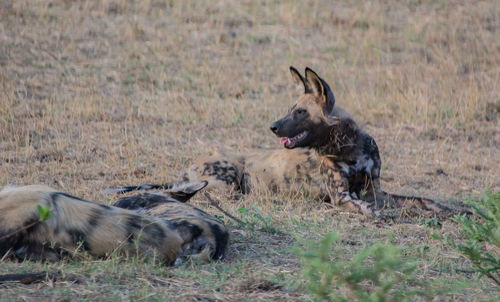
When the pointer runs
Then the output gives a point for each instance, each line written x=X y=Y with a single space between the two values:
x=482 y=243
x=253 y=217
x=376 y=273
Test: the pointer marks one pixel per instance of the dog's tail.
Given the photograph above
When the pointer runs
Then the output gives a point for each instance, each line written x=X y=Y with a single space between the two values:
x=180 y=191
x=166 y=186
x=429 y=205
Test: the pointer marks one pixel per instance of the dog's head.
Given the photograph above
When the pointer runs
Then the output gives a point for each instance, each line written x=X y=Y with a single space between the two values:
x=307 y=121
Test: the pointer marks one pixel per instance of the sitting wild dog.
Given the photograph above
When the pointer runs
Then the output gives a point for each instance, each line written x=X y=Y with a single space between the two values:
x=76 y=224
x=325 y=154
x=349 y=158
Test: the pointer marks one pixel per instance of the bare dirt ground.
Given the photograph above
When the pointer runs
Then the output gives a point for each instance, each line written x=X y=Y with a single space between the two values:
x=101 y=93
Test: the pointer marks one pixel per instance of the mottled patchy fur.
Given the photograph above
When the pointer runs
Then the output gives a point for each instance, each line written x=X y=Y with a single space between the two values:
x=207 y=235
x=326 y=153
x=77 y=224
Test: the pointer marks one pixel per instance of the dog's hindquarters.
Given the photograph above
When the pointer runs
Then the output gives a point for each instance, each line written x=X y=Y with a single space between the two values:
x=222 y=172
x=207 y=235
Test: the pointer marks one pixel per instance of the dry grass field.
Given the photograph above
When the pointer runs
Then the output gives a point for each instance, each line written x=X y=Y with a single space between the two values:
x=96 y=94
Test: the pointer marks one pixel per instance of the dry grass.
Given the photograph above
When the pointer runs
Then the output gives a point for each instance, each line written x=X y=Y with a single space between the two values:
x=101 y=93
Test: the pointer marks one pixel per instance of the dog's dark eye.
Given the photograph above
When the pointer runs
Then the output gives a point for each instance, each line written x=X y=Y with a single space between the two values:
x=300 y=111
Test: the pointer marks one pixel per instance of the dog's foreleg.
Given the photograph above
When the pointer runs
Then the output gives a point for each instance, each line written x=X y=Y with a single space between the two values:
x=337 y=188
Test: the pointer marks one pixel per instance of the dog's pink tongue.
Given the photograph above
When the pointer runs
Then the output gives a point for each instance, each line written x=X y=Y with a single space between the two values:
x=283 y=140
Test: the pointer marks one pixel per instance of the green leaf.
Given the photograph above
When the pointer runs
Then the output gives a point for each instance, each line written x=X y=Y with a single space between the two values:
x=44 y=212
x=242 y=210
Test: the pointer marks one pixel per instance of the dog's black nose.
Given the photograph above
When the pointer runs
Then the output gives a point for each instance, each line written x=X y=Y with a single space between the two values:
x=274 y=127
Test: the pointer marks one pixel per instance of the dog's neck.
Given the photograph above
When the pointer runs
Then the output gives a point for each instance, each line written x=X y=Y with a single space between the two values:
x=339 y=140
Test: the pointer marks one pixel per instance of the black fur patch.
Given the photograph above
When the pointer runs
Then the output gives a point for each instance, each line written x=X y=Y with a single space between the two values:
x=79 y=237
x=224 y=171
x=187 y=230
x=95 y=217
x=156 y=233
x=221 y=241
x=133 y=225
x=54 y=208
x=245 y=185
x=145 y=201
x=56 y=195
x=13 y=239
x=105 y=207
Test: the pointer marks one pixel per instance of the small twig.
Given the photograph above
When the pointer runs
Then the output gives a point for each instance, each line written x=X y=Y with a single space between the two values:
x=20 y=230
x=457 y=270
x=216 y=205
x=28 y=278
x=492 y=277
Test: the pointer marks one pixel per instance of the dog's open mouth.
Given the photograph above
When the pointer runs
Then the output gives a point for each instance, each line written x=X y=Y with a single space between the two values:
x=290 y=142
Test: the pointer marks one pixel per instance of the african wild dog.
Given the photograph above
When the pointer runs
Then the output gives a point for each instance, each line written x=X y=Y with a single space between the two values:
x=350 y=159
x=208 y=235
x=325 y=152
x=76 y=224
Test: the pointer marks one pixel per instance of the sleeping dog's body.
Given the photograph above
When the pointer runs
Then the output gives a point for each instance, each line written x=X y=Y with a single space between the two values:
x=76 y=224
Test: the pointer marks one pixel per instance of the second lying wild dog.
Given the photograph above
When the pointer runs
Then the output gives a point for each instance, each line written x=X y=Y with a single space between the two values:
x=325 y=152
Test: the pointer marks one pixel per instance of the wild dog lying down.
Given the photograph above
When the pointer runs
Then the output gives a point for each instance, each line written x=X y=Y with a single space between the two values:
x=325 y=152
x=99 y=229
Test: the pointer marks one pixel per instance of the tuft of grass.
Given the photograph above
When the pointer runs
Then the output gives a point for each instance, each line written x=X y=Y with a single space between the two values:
x=376 y=273
x=252 y=217
x=482 y=237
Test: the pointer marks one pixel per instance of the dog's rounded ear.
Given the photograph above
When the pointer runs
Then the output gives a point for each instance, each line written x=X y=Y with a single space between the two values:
x=299 y=80
x=320 y=89
x=184 y=191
